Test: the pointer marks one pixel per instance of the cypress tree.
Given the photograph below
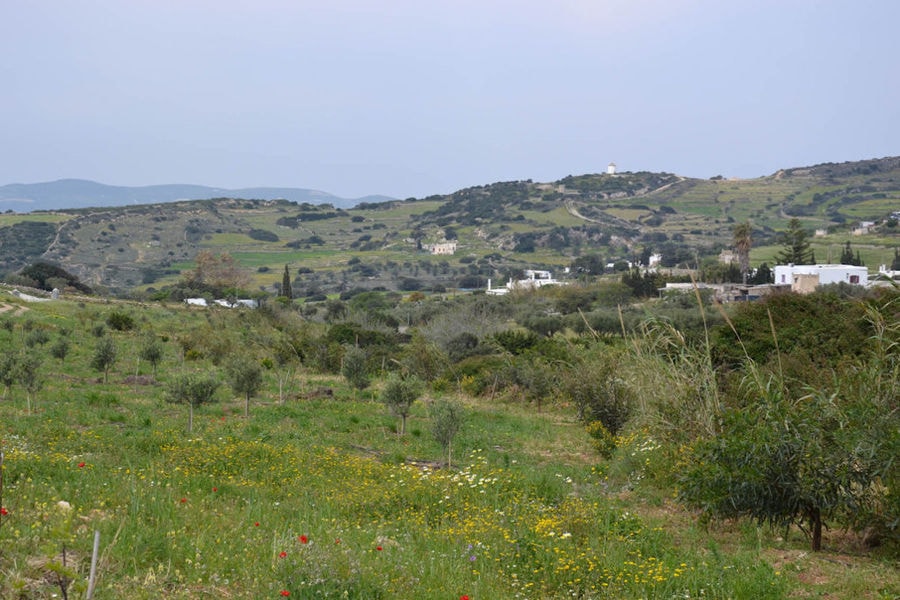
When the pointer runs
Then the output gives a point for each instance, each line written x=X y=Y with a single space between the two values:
x=286 y=290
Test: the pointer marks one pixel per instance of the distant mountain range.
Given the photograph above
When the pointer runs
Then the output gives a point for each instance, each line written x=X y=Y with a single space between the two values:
x=81 y=193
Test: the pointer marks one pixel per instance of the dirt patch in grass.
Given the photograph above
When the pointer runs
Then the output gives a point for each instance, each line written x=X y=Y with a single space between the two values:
x=845 y=569
x=140 y=380
x=836 y=575
x=17 y=310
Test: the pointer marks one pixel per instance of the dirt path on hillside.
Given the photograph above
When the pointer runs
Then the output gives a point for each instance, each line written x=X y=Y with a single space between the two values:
x=662 y=187
x=573 y=210
x=18 y=310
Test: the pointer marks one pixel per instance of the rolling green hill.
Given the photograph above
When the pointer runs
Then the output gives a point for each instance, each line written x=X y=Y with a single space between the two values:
x=499 y=229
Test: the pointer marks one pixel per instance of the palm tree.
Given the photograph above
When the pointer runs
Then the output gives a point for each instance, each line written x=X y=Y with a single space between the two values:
x=742 y=243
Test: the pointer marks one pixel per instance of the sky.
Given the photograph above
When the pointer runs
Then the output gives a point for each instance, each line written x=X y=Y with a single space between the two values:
x=409 y=98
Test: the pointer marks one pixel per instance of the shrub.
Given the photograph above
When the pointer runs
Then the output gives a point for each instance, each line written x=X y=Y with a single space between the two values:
x=120 y=321
x=37 y=337
x=263 y=235
x=478 y=374
x=783 y=463
x=516 y=341
x=598 y=393
x=602 y=441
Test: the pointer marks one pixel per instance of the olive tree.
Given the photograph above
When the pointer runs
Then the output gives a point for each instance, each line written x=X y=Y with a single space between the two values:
x=151 y=350
x=29 y=376
x=353 y=367
x=60 y=349
x=245 y=377
x=194 y=389
x=286 y=359
x=104 y=356
x=8 y=365
x=399 y=394
x=446 y=420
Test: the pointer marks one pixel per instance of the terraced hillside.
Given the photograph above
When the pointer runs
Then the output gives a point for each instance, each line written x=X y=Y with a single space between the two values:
x=498 y=229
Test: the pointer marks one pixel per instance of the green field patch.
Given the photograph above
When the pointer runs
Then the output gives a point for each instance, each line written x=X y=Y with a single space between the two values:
x=8 y=219
x=629 y=214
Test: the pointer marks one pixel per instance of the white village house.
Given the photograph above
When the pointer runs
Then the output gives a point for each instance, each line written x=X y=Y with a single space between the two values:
x=805 y=278
x=533 y=280
x=441 y=248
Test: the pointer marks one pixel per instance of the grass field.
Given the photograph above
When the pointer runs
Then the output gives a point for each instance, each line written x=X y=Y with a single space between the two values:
x=319 y=497
x=9 y=219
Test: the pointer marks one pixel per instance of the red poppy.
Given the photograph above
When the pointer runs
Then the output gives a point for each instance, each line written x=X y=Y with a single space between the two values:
x=256 y=524
x=183 y=500
x=379 y=548
x=337 y=541
x=285 y=593
x=81 y=464
x=303 y=539
x=3 y=511
x=282 y=554
x=215 y=489
x=464 y=597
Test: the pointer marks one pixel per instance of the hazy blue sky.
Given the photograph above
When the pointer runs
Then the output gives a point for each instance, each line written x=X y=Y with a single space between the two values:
x=418 y=97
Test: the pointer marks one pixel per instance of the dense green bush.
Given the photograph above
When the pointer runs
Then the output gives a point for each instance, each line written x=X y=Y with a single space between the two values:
x=598 y=393
x=120 y=320
x=41 y=272
x=263 y=235
x=786 y=462
x=793 y=334
x=516 y=341
x=421 y=358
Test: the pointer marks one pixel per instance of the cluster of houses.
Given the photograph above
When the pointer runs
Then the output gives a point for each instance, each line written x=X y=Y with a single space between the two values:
x=239 y=303
x=802 y=279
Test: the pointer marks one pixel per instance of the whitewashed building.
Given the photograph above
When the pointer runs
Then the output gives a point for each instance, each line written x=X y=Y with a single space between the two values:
x=806 y=278
x=443 y=248
x=533 y=280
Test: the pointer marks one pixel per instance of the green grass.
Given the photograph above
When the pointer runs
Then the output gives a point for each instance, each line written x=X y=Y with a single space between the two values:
x=7 y=220
x=526 y=511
